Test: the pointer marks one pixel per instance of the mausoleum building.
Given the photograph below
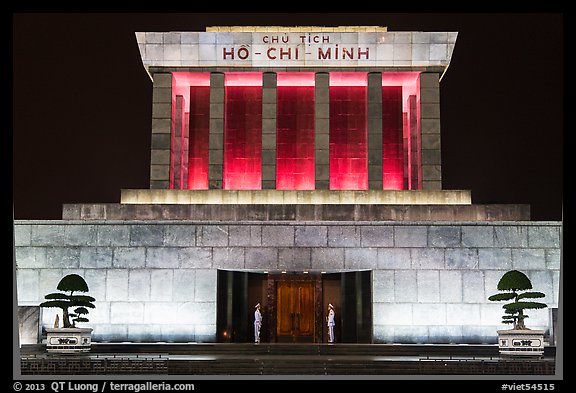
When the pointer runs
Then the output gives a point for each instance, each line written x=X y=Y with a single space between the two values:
x=293 y=167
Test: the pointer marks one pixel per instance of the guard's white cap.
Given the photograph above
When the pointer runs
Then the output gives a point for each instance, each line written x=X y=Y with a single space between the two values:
x=330 y=305
x=256 y=306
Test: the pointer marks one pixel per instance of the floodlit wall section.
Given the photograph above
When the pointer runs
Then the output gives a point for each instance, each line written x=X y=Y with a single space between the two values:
x=157 y=281
x=295 y=131
x=242 y=167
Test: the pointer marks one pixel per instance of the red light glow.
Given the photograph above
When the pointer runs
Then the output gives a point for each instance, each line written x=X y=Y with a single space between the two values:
x=242 y=168
x=392 y=141
x=293 y=79
x=243 y=79
x=401 y=149
x=348 y=79
x=348 y=131
x=199 y=120
x=295 y=156
x=295 y=131
x=190 y=129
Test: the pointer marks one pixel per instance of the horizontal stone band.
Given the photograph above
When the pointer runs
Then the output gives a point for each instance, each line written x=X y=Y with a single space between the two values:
x=281 y=197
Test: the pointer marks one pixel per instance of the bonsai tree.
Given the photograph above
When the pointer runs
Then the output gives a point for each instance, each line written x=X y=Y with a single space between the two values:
x=512 y=283
x=70 y=283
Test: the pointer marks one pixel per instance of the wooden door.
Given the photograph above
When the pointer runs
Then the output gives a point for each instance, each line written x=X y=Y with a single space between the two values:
x=295 y=311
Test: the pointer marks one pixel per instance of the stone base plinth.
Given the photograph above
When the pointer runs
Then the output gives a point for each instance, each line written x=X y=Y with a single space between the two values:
x=521 y=342
x=295 y=212
x=68 y=340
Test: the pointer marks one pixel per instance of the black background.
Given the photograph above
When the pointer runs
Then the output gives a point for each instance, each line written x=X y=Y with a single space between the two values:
x=82 y=103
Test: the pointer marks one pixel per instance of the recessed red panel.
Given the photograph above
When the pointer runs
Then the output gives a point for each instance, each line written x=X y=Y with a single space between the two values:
x=348 y=131
x=409 y=82
x=242 y=168
x=392 y=138
x=189 y=133
x=199 y=130
x=295 y=131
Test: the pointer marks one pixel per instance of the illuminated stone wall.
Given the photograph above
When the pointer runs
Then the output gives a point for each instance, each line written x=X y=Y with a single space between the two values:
x=156 y=281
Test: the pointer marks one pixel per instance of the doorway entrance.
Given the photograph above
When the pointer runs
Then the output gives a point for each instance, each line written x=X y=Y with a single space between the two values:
x=294 y=306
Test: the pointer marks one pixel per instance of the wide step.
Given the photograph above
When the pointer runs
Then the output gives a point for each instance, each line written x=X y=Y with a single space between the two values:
x=282 y=359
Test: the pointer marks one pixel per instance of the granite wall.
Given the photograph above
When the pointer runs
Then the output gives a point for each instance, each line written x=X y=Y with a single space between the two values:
x=156 y=281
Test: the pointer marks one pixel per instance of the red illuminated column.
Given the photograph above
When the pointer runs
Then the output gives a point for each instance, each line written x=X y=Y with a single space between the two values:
x=392 y=135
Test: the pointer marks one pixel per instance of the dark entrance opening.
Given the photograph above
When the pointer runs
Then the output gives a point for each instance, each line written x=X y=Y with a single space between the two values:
x=237 y=294
x=294 y=306
x=356 y=295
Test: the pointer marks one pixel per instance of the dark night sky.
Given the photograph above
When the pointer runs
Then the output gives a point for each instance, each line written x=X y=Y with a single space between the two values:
x=82 y=103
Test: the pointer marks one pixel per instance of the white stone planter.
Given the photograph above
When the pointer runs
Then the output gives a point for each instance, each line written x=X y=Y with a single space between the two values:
x=521 y=342
x=68 y=340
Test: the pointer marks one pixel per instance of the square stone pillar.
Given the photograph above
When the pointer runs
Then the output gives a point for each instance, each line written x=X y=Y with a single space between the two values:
x=375 y=130
x=269 y=130
x=430 y=131
x=177 y=175
x=322 y=130
x=161 y=128
x=185 y=145
x=216 y=137
x=415 y=164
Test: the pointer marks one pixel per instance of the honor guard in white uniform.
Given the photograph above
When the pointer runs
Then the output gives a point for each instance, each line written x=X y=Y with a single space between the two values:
x=257 y=323
x=331 y=323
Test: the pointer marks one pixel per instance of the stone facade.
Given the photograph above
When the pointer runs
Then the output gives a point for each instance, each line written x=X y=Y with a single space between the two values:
x=400 y=49
x=375 y=51
x=156 y=281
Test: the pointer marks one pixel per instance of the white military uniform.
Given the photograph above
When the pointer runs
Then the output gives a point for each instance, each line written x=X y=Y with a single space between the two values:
x=331 y=323
x=257 y=325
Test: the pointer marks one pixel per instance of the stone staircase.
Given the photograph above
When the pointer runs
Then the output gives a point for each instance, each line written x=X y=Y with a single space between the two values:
x=284 y=359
